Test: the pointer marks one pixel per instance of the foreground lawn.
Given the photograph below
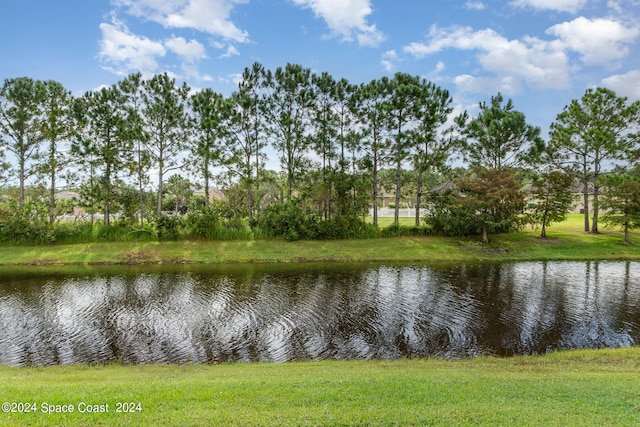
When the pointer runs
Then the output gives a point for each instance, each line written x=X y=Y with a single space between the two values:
x=567 y=388
x=566 y=241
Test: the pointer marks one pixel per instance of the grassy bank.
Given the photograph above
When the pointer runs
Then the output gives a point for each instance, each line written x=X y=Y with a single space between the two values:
x=566 y=241
x=566 y=388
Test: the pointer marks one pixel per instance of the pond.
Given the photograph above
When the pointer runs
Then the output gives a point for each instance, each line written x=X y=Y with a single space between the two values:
x=308 y=312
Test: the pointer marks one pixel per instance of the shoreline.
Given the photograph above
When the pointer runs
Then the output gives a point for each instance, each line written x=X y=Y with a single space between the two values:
x=511 y=247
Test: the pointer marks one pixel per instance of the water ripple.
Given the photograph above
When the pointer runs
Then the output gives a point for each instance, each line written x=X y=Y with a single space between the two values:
x=333 y=312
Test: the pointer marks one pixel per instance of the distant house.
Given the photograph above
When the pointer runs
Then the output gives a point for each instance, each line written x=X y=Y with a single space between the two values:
x=77 y=210
x=214 y=194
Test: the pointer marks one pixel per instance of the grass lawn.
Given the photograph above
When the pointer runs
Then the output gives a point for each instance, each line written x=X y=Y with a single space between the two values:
x=566 y=388
x=566 y=241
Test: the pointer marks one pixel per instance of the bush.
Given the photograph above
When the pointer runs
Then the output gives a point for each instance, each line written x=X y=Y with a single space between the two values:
x=21 y=229
x=293 y=222
x=69 y=232
x=396 y=230
x=167 y=228
x=202 y=224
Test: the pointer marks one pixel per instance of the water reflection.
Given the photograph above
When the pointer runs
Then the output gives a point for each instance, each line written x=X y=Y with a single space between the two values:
x=316 y=312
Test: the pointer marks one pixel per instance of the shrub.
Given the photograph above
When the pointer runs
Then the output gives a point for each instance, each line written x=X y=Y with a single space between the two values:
x=202 y=224
x=167 y=228
x=22 y=229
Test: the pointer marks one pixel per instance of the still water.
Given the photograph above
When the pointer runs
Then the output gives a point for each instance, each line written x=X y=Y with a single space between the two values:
x=303 y=312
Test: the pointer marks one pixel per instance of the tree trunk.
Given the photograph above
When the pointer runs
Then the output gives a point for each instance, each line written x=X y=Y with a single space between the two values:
x=207 y=196
x=257 y=170
x=160 y=177
x=52 y=198
x=544 y=231
x=626 y=234
x=140 y=189
x=419 y=197
x=396 y=214
x=249 y=195
x=594 y=225
x=106 y=213
x=375 y=193
x=586 y=205
x=485 y=235
x=107 y=195
x=21 y=179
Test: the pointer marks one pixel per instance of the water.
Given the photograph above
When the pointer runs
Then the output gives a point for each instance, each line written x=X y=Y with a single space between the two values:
x=311 y=312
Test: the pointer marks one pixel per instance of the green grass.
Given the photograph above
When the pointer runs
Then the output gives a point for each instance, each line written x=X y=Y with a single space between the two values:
x=566 y=388
x=566 y=241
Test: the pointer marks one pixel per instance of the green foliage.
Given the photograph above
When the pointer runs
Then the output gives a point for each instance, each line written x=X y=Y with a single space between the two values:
x=500 y=136
x=293 y=221
x=489 y=201
x=448 y=217
x=202 y=224
x=590 y=135
x=71 y=232
x=165 y=122
x=622 y=202
x=398 y=230
x=23 y=229
x=389 y=133
x=552 y=198
x=168 y=227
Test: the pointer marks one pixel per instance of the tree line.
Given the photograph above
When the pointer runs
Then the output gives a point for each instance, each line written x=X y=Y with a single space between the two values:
x=337 y=143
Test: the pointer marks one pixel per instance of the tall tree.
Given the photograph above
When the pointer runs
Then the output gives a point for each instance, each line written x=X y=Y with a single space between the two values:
x=289 y=104
x=370 y=103
x=325 y=120
x=245 y=132
x=165 y=123
x=500 y=136
x=21 y=101
x=590 y=135
x=325 y=123
x=432 y=150
x=132 y=88
x=103 y=140
x=403 y=110
x=207 y=109
x=57 y=126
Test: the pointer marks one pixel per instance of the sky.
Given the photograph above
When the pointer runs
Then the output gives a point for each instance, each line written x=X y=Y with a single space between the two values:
x=540 y=53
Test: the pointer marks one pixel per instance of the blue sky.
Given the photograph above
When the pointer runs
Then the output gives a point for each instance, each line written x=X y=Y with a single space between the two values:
x=540 y=53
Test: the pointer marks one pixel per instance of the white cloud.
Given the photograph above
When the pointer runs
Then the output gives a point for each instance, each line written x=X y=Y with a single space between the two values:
x=124 y=52
x=434 y=75
x=475 y=5
x=560 y=5
x=190 y=51
x=370 y=36
x=389 y=59
x=231 y=51
x=541 y=64
x=209 y=16
x=388 y=65
x=190 y=70
x=504 y=84
x=599 y=41
x=346 y=19
x=625 y=84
